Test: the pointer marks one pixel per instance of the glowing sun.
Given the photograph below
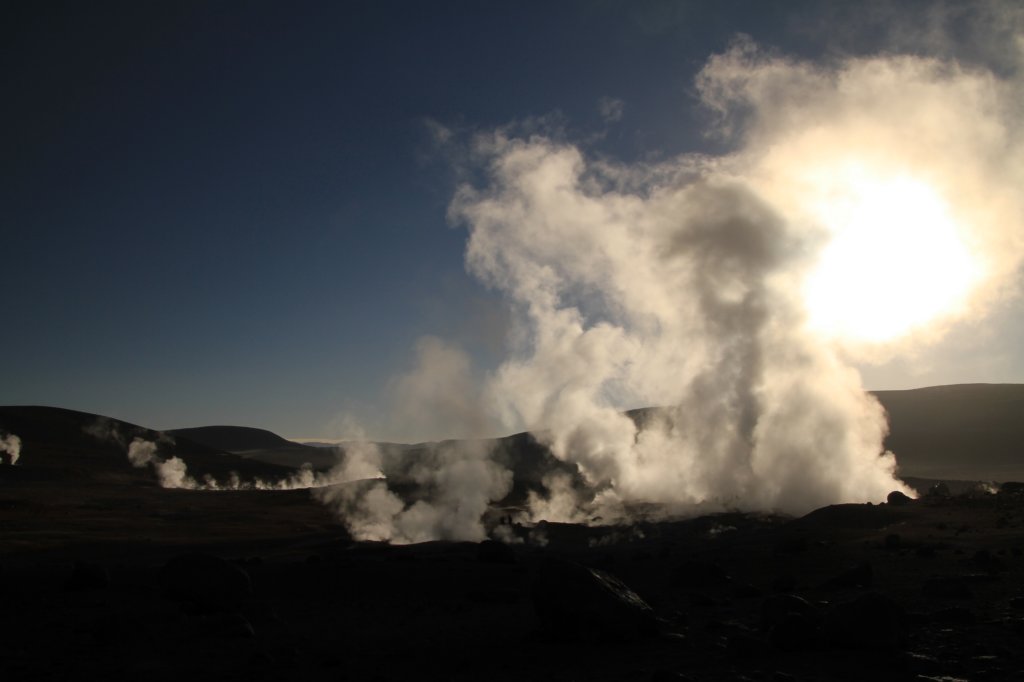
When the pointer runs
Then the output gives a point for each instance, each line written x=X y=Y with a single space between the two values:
x=895 y=261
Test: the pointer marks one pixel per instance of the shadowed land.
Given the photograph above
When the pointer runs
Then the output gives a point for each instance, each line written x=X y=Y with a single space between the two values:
x=103 y=571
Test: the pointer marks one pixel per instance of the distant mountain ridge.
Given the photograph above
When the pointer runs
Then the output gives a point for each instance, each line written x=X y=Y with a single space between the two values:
x=236 y=438
x=960 y=431
x=63 y=442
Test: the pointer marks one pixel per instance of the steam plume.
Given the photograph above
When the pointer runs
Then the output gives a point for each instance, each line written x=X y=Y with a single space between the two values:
x=682 y=284
x=452 y=482
x=10 y=444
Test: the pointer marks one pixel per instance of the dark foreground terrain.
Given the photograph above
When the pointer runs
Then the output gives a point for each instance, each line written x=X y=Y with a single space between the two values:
x=105 y=574
x=189 y=585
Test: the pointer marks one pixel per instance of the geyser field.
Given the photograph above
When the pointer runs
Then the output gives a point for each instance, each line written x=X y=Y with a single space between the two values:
x=648 y=452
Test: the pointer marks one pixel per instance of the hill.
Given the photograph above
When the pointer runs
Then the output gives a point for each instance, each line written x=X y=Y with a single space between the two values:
x=236 y=438
x=60 y=443
x=962 y=431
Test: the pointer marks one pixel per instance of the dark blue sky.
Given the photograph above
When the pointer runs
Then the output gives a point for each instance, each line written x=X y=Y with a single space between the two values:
x=228 y=212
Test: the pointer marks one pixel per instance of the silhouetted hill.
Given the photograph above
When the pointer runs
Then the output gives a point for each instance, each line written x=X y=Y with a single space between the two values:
x=70 y=428
x=236 y=438
x=58 y=443
x=962 y=431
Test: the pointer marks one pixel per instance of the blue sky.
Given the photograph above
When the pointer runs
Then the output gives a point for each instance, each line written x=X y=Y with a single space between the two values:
x=236 y=212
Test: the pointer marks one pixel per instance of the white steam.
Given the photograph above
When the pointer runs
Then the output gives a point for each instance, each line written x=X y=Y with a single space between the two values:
x=449 y=484
x=697 y=285
x=10 y=444
x=684 y=284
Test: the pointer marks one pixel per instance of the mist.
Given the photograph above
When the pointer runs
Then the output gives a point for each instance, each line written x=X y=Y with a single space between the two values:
x=10 y=444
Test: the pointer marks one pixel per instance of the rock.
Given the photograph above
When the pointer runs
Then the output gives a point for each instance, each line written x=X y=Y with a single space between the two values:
x=790 y=622
x=987 y=562
x=744 y=590
x=924 y=664
x=493 y=596
x=85 y=576
x=947 y=587
x=663 y=675
x=223 y=625
x=860 y=575
x=794 y=632
x=494 y=552
x=586 y=604
x=206 y=582
x=776 y=607
x=871 y=621
x=954 y=615
x=893 y=541
x=898 y=499
x=1012 y=489
x=784 y=582
x=699 y=575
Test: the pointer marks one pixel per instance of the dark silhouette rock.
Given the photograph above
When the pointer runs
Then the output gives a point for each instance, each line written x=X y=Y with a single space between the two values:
x=871 y=621
x=206 y=582
x=985 y=560
x=785 y=582
x=586 y=603
x=947 y=587
x=776 y=607
x=1012 y=489
x=86 y=576
x=791 y=623
x=493 y=596
x=699 y=576
x=861 y=575
x=744 y=590
x=794 y=633
x=954 y=615
x=223 y=625
x=898 y=499
x=494 y=552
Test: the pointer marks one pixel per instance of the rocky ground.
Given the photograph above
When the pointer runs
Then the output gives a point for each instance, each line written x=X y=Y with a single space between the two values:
x=105 y=574
x=157 y=584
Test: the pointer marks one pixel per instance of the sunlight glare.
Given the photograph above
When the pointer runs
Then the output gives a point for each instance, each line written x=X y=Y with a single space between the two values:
x=895 y=262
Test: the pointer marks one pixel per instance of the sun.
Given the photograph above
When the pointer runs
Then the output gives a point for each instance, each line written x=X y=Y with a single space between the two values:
x=895 y=258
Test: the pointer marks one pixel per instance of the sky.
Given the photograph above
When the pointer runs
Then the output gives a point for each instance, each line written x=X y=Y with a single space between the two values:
x=242 y=213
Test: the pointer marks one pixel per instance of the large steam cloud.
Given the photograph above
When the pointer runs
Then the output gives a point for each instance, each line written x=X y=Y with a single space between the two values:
x=685 y=284
x=870 y=203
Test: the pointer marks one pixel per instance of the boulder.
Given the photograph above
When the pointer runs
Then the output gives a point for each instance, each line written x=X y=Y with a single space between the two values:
x=790 y=622
x=871 y=621
x=494 y=552
x=861 y=575
x=205 y=582
x=582 y=603
x=898 y=499
x=947 y=587
x=85 y=576
x=777 y=607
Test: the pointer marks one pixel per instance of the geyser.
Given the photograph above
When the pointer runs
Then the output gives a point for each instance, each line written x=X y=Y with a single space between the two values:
x=868 y=204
